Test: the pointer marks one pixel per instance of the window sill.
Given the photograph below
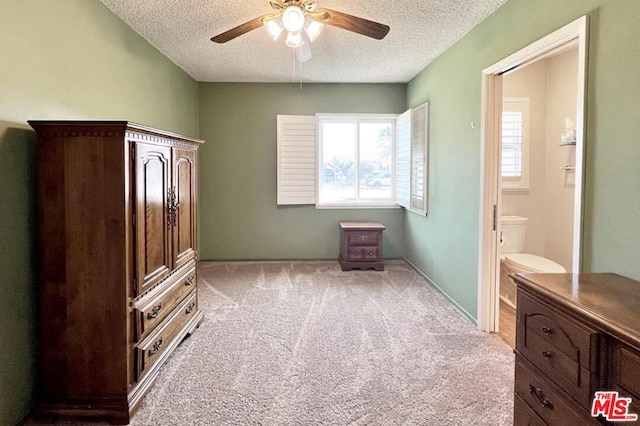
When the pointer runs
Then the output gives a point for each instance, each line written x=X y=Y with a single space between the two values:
x=357 y=206
x=516 y=189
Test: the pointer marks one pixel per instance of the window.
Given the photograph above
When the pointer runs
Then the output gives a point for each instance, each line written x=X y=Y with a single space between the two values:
x=348 y=161
x=356 y=160
x=515 y=143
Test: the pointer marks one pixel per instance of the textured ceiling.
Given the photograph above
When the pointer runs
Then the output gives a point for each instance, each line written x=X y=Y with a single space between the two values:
x=420 y=31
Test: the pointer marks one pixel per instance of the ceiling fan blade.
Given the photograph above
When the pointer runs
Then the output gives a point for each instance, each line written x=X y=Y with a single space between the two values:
x=353 y=23
x=239 y=30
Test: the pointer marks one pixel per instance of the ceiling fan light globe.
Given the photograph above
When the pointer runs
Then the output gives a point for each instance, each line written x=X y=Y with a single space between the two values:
x=294 y=39
x=274 y=27
x=312 y=27
x=293 y=18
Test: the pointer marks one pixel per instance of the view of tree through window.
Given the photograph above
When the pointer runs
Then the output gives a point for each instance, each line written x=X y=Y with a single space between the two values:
x=356 y=160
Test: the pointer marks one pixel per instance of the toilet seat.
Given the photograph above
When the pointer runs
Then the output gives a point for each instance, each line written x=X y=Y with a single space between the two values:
x=525 y=262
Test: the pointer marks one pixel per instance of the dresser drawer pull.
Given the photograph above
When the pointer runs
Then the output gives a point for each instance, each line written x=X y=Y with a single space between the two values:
x=154 y=312
x=156 y=347
x=370 y=254
x=363 y=237
x=190 y=307
x=189 y=280
x=546 y=330
x=539 y=395
x=546 y=354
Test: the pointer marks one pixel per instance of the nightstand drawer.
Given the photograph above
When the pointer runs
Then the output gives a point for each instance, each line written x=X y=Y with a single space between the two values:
x=362 y=253
x=362 y=238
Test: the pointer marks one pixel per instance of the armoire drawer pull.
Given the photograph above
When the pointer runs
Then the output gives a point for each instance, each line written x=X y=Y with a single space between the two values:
x=154 y=312
x=546 y=354
x=546 y=330
x=190 y=307
x=156 y=347
x=189 y=280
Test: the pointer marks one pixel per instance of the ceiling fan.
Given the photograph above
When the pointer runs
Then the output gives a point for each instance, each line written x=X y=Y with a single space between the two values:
x=303 y=21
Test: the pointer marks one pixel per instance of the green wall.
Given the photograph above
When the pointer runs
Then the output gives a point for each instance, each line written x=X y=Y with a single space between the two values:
x=239 y=218
x=63 y=59
x=444 y=245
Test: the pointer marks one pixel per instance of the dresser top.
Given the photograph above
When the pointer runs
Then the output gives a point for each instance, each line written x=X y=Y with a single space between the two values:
x=609 y=301
x=361 y=225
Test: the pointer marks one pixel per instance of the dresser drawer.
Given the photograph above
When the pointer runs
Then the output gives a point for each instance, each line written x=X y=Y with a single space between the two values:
x=149 y=312
x=546 y=400
x=625 y=374
x=559 y=346
x=362 y=253
x=362 y=238
x=523 y=415
x=151 y=349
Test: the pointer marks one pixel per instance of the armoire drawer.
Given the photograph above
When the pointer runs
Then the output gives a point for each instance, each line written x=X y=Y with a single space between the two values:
x=150 y=350
x=150 y=311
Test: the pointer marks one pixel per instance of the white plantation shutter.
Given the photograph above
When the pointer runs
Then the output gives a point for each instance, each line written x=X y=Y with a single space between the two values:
x=403 y=159
x=515 y=143
x=296 y=159
x=419 y=135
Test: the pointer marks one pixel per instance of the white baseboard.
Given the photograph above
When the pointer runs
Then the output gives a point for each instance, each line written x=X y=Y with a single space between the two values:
x=441 y=291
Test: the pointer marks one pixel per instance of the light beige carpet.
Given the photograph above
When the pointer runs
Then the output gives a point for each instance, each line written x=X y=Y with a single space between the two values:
x=303 y=343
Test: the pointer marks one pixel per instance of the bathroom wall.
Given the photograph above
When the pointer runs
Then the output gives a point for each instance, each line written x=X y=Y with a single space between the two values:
x=530 y=82
x=551 y=86
x=562 y=88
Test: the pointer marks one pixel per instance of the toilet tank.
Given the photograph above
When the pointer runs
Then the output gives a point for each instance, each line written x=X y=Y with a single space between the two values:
x=513 y=232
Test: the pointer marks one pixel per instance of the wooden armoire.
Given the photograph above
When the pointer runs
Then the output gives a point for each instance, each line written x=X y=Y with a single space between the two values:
x=117 y=205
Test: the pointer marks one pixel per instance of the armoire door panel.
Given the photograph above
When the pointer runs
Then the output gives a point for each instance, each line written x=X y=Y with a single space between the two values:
x=153 y=228
x=184 y=183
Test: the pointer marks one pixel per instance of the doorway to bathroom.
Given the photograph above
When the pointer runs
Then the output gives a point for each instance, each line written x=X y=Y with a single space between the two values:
x=531 y=181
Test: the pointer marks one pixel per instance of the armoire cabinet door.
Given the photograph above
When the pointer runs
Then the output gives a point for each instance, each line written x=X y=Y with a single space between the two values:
x=184 y=184
x=153 y=226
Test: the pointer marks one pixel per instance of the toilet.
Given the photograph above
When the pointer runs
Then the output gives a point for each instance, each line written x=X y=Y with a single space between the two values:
x=512 y=260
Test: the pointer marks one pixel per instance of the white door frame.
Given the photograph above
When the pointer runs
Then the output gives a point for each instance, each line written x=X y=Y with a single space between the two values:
x=488 y=260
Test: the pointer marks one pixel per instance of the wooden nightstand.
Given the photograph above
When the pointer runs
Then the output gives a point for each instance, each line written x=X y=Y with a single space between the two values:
x=361 y=246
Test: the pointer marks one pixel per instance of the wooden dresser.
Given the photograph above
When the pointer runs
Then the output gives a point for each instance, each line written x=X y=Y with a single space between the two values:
x=361 y=246
x=117 y=249
x=575 y=334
